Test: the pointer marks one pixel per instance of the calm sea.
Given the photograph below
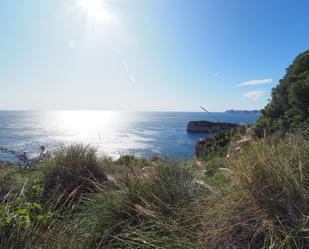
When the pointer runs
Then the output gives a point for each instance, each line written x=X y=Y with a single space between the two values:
x=112 y=132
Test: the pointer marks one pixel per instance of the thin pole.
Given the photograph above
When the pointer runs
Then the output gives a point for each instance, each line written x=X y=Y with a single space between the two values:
x=209 y=114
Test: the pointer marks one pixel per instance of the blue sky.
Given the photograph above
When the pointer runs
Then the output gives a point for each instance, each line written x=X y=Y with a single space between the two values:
x=149 y=55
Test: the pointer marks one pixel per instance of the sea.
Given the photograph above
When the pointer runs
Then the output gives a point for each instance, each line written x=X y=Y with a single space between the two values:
x=112 y=133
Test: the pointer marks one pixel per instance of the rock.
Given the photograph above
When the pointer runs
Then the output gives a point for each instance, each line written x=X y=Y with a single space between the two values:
x=195 y=204
x=232 y=149
x=200 y=147
x=251 y=133
x=199 y=164
x=243 y=140
x=235 y=146
x=111 y=182
x=254 y=133
x=148 y=171
x=226 y=172
x=209 y=127
x=199 y=186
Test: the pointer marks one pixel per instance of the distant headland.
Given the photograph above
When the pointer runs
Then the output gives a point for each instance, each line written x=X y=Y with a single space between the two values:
x=242 y=111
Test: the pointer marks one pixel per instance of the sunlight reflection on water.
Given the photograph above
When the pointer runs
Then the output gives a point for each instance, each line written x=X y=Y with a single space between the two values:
x=111 y=132
x=107 y=130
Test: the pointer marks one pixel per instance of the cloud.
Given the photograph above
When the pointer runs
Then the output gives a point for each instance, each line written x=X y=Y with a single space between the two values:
x=254 y=95
x=255 y=82
x=126 y=68
x=72 y=44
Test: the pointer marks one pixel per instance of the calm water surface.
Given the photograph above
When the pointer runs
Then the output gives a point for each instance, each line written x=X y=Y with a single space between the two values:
x=111 y=132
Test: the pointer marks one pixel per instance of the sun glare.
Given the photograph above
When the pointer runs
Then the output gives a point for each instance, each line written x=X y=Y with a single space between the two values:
x=94 y=9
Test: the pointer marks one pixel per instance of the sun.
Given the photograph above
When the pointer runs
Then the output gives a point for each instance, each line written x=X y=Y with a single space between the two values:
x=94 y=9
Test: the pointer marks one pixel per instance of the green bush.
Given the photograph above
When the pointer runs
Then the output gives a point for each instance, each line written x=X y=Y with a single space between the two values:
x=127 y=160
x=288 y=109
x=22 y=217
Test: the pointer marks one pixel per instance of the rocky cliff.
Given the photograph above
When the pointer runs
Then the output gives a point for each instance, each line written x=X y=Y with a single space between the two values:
x=209 y=127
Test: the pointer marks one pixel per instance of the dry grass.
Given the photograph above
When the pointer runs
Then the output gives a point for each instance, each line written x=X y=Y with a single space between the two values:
x=276 y=174
x=148 y=211
x=153 y=204
x=71 y=172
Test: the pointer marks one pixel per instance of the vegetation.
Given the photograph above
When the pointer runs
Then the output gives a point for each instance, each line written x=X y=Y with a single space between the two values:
x=288 y=109
x=257 y=197
x=260 y=201
x=72 y=171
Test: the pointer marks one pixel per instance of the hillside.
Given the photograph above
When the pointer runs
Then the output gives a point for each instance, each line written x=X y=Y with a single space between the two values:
x=242 y=191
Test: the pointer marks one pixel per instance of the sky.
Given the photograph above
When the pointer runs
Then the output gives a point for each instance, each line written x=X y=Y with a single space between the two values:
x=146 y=55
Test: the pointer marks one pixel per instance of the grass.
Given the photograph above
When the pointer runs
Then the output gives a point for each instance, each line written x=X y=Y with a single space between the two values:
x=71 y=172
x=148 y=211
x=258 y=198
x=276 y=173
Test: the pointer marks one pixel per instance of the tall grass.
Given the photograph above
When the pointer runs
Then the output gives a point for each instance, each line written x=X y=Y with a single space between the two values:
x=276 y=174
x=148 y=211
x=71 y=172
x=261 y=203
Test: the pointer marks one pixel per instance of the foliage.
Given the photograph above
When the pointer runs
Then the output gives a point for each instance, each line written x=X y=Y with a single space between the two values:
x=22 y=158
x=256 y=199
x=216 y=146
x=127 y=160
x=288 y=109
x=22 y=216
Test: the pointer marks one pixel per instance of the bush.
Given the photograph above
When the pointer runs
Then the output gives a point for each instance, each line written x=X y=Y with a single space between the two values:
x=71 y=172
x=288 y=109
x=22 y=217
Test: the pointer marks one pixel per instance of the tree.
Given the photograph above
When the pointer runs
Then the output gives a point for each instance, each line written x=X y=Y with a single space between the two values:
x=288 y=109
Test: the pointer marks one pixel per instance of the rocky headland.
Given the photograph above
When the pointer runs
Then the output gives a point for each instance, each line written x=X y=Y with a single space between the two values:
x=210 y=127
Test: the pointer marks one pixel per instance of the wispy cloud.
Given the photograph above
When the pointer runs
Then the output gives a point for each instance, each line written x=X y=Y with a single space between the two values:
x=255 y=82
x=254 y=95
x=127 y=69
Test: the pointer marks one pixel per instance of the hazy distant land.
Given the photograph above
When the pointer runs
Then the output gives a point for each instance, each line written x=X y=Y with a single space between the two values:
x=242 y=111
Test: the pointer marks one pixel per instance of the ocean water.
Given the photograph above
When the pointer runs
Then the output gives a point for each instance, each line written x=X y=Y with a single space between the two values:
x=112 y=132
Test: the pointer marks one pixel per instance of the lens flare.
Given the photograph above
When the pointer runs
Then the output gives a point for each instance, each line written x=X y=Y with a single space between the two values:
x=94 y=9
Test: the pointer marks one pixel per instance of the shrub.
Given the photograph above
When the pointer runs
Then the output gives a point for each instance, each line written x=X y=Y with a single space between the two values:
x=288 y=109
x=216 y=146
x=127 y=160
x=22 y=217
x=212 y=165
